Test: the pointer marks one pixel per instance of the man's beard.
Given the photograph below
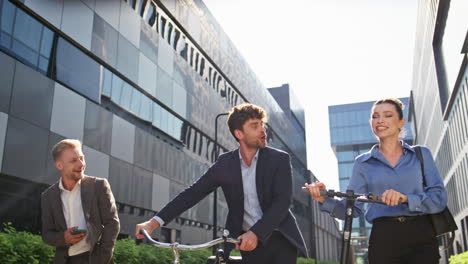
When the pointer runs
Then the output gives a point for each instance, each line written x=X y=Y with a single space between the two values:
x=257 y=144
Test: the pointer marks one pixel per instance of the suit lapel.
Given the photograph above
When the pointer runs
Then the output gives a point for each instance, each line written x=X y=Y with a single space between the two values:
x=260 y=175
x=237 y=178
x=56 y=201
x=87 y=189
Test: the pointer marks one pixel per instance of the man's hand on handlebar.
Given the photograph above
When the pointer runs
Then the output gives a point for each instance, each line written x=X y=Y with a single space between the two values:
x=392 y=197
x=149 y=226
x=314 y=190
x=248 y=241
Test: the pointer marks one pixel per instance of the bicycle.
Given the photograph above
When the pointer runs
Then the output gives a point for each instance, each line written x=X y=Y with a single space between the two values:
x=219 y=257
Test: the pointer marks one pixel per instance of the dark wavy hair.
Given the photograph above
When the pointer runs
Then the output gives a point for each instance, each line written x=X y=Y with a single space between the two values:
x=239 y=114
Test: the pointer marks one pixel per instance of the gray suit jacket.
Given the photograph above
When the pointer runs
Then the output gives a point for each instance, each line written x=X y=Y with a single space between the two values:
x=100 y=214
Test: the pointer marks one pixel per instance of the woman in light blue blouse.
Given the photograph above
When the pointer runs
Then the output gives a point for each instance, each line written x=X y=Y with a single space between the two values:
x=402 y=231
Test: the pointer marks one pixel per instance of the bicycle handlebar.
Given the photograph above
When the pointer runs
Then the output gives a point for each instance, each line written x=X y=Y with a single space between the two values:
x=176 y=245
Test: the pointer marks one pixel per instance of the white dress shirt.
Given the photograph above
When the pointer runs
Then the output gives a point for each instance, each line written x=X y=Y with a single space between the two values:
x=252 y=210
x=74 y=216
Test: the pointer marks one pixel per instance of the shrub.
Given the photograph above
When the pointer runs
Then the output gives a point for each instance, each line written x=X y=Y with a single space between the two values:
x=459 y=259
x=24 y=247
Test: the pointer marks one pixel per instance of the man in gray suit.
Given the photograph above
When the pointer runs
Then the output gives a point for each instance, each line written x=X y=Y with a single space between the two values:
x=79 y=216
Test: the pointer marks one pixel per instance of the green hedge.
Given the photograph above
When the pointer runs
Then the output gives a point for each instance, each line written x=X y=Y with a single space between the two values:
x=459 y=259
x=23 y=247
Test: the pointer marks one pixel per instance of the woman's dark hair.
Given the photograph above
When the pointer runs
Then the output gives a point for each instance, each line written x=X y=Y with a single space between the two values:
x=239 y=114
x=394 y=101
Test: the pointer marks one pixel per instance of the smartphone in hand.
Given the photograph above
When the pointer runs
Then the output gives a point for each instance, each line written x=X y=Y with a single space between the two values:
x=78 y=231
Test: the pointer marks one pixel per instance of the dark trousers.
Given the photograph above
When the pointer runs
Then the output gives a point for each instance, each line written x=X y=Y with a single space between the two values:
x=82 y=258
x=410 y=242
x=277 y=250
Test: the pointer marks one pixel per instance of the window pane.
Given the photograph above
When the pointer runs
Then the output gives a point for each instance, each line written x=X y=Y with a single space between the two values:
x=117 y=86
x=47 y=41
x=126 y=96
x=8 y=14
x=156 y=115
x=178 y=124
x=145 y=109
x=106 y=82
x=25 y=52
x=164 y=120
x=5 y=40
x=43 y=64
x=136 y=101
x=27 y=30
x=179 y=100
x=83 y=75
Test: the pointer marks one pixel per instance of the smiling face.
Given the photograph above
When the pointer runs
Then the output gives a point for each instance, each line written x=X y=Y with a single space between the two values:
x=385 y=121
x=71 y=164
x=253 y=134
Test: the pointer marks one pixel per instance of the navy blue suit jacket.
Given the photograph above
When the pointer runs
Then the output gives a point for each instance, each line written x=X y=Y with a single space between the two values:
x=274 y=189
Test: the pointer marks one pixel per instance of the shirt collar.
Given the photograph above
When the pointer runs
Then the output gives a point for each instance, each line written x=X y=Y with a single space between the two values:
x=62 y=188
x=255 y=157
x=374 y=152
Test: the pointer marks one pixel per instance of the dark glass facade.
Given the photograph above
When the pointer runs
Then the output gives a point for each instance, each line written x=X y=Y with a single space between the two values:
x=140 y=83
x=351 y=135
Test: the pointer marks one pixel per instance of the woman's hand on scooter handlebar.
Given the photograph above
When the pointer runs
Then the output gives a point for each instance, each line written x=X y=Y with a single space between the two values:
x=392 y=197
x=314 y=191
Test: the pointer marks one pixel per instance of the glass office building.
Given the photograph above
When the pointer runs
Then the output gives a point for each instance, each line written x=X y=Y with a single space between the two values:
x=140 y=83
x=351 y=135
x=439 y=102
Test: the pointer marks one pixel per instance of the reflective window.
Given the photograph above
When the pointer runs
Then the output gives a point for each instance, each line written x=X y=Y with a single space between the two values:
x=126 y=96
x=164 y=88
x=8 y=15
x=345 y=155
x=345 y=170
x=83 y=75
x=156 y=115
x=146 y=111
x=151 y=15
x=106 y=82
x=186 y=49
x=27 y=30
x=179 y=100
x=25 y=37
x=164 y=120
x=344 y=184
x=136 y=101
x=117 y=85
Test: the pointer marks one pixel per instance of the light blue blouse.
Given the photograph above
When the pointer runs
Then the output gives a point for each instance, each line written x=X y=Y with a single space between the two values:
x=372 y=173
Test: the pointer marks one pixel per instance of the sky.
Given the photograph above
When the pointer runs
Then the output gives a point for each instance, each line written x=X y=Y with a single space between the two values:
x=329 y=51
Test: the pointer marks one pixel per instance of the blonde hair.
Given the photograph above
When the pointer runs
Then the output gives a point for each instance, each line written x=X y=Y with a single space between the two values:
x=65 y=144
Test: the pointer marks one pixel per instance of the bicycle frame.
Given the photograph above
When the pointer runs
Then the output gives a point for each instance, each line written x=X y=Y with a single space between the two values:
x=176 y=246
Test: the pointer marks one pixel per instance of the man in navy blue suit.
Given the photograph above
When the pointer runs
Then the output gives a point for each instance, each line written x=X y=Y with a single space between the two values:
x=257 y=184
